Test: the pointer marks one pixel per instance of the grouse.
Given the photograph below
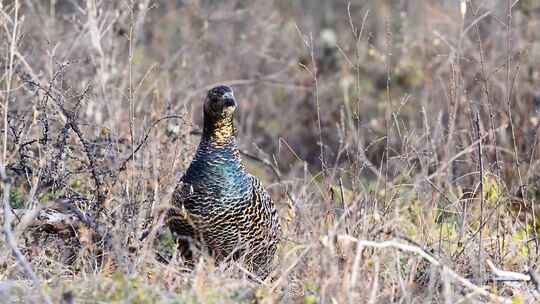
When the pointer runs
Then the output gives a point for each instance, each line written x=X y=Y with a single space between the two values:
x=219 y=205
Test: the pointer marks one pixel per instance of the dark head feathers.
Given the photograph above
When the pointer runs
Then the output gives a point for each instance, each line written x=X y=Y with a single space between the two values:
x=219 y=102
x=219 y=92
x=219 y=108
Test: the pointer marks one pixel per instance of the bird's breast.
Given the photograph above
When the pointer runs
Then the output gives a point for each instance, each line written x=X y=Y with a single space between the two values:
x=219 y=178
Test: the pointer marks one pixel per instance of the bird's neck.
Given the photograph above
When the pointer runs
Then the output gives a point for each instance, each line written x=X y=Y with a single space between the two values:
x=218 y=143
x=220 y=131
x=217 y=165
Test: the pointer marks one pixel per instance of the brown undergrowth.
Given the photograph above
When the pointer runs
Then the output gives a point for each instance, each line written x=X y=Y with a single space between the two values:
x=398 y=140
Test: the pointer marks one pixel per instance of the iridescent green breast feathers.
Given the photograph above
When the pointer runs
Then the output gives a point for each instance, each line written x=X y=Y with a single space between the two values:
x=217 y=204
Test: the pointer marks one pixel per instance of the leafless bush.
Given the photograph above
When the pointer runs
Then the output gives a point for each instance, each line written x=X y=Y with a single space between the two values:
x=400 y=142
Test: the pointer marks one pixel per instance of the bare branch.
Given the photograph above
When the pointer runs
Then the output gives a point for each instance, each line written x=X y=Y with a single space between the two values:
x=10 y=240
x=396 y=244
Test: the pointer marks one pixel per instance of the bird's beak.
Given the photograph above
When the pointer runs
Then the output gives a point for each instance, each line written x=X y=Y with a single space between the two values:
x=229 y=100
x=228 y=95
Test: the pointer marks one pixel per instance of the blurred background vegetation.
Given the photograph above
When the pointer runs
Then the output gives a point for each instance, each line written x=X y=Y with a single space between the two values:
x=427 y=53
x=362 y=117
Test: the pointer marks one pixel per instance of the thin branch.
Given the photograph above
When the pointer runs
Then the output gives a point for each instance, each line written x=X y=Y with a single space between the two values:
x=507 y=276
x=10 y=240
x=481 y=164
x=396 y=244
x=123 y=164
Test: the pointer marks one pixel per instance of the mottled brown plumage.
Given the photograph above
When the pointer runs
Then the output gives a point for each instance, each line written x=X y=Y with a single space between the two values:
x=218 y=204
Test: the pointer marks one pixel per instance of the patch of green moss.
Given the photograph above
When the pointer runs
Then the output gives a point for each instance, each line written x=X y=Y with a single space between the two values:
x=16 y=198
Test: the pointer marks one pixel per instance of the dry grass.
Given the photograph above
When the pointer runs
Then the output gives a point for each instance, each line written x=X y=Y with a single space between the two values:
x=400 y=144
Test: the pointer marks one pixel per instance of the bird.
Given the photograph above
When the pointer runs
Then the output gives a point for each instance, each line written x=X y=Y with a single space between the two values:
x=217 y=204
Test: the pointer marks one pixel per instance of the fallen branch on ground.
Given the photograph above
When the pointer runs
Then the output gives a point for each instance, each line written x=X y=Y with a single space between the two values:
x=396 y=244
x=503 y=275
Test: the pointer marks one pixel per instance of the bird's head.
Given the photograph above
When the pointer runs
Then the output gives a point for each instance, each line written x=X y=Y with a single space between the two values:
x=219 y=103
x=219 y=108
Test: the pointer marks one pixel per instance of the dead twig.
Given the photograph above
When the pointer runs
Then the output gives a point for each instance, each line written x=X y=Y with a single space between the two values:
x=396 y=244
x=535 y=278
x=507 y=276
x=10 y=240
x=481 y=164
x=123 y=164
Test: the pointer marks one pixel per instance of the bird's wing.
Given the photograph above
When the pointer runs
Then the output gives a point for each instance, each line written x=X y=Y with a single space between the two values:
x=265 y=214
x=182 y=199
